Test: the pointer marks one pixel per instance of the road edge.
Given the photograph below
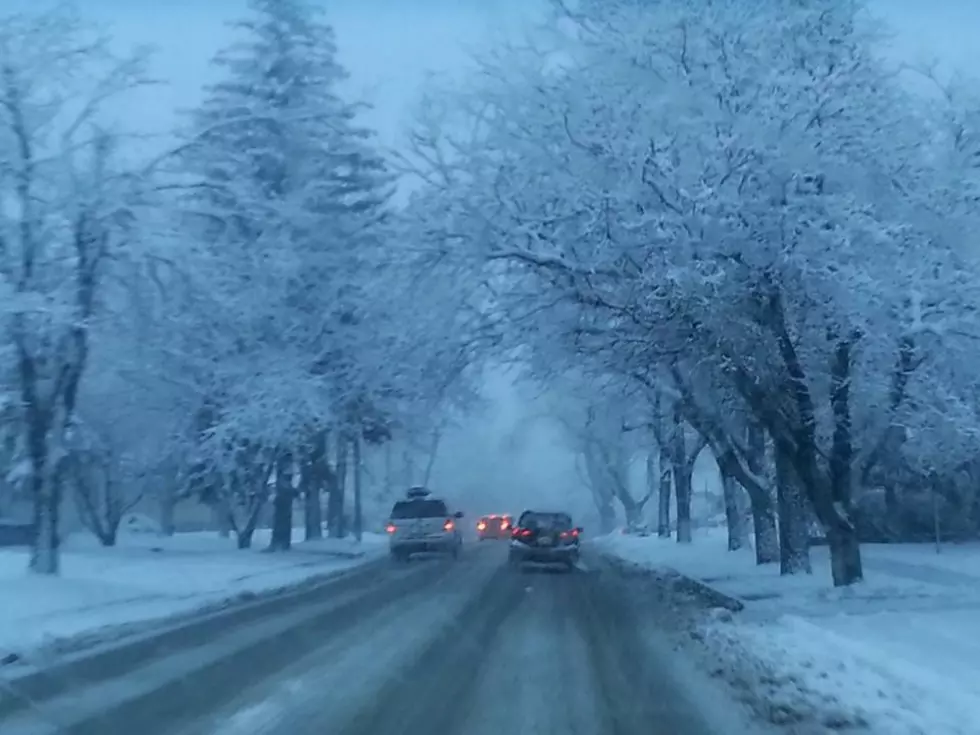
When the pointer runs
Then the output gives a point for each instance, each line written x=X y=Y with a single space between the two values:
x=110 y=647
x=684 y=582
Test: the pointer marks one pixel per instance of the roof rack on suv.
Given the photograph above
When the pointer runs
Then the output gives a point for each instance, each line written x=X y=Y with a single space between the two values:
x=417 y=492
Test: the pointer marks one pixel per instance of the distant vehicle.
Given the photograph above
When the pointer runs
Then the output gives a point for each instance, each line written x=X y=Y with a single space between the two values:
x=421 y=523
x=545 y=537
x=494 y=526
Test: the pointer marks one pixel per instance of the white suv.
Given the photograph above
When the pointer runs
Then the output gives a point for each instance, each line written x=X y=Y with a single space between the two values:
x=422 y=523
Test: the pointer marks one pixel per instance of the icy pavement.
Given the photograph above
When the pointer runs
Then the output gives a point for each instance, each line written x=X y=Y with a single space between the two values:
x=895 y=655
x=147 y=579
x=483 y=648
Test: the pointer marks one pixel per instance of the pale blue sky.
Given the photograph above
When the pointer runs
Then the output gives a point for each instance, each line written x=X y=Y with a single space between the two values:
x=389 y=45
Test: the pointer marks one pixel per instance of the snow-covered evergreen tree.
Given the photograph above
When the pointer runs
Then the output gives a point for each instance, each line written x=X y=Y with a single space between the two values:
x=290 y=205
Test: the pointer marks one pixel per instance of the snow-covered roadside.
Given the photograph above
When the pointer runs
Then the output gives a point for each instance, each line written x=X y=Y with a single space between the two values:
x=897 y=655
x=148 y=580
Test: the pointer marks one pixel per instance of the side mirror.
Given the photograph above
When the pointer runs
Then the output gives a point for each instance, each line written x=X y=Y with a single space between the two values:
x=458 y=514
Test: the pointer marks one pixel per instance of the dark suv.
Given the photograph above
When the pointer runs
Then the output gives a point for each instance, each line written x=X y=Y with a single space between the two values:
x=545 y=537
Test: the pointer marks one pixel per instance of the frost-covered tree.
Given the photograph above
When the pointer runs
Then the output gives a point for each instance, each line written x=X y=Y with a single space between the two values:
x=723 y=203
x=68 y=207
x=289 y=204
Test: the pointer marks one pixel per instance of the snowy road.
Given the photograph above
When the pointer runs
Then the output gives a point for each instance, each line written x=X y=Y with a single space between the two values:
x=457 y=648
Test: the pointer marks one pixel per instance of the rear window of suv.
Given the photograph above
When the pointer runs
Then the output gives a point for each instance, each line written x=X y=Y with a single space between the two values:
x=556 y=521
x=419 y=509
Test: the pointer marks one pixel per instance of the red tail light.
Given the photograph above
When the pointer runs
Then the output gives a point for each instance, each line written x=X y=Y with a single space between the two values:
x=448 y=525
x=390 y=528
x=504 y=525
x=522 y=532
x=481 y=526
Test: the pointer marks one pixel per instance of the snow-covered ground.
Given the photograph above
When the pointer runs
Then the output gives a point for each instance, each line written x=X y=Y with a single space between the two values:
x=149 y=578
x=898 y=654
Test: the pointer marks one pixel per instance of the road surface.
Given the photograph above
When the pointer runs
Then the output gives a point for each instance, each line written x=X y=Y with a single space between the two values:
x=470 y=647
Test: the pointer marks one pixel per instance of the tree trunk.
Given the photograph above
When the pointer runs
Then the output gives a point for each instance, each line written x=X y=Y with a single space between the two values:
x=168 y=507
x=389 y=480
x=312 y=486
x=312 y=520
x=890 y=442
x=45 y=556
x=734 y=515
x=358 y=488
x=45 y=489
x=763 y=512
x=282 y=504
x=845 y=557
x=616 y=465
x=222 y=513
x=766 y=535
x=433 y=453
x=794 y=532
x=630 y=511
x=682 y=487
x=168 y=515
x=651 y=475
x=253 y=489
x=335 y=503
x=408 y=466
x=800 y=442
x=665 y=490
x=111 y=536
x=600 y=492
x=682 y=467
x=845 y=550
x=607 y=517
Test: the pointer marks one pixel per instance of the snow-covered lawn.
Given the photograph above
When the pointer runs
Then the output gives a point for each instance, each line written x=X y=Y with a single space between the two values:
x=148 y=578
x=898 y=654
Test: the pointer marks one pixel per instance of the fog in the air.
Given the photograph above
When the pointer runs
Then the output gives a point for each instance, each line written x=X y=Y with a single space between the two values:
x=507 y=455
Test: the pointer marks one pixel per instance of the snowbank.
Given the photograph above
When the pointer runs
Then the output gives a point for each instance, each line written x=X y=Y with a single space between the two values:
x=147 y=579
x=896 y=655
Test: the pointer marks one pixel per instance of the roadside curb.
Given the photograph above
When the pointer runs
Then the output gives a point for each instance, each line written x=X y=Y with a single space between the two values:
x=683 y=582
x=107 y=657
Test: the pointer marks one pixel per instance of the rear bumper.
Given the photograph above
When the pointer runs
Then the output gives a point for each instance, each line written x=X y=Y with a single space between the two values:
x=545 y=554
x=411 y=546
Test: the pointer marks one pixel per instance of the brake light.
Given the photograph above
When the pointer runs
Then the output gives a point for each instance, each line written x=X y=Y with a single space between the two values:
x=481 y=526
x=448 y=525
x=390 y=528
x=504 y=525
x=522 y=532
x=570 y=534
